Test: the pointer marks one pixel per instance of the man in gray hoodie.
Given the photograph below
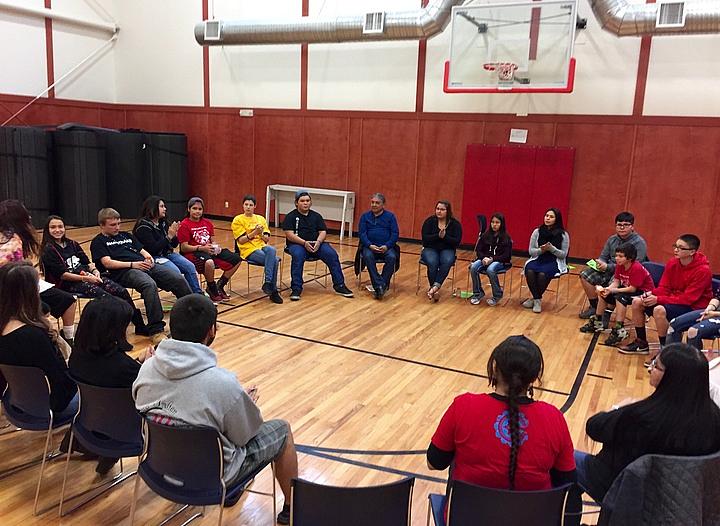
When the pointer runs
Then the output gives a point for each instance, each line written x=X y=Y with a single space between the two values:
x=182 y=385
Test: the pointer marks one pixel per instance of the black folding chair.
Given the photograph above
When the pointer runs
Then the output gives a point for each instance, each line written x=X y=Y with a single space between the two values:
x=318 y=505
x=26 y=403
x=185 y=465
x=469 y=505
x=107 y=425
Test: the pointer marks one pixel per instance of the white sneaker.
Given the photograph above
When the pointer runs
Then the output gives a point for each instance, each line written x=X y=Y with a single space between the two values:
x=528 y=303
x=536 y=306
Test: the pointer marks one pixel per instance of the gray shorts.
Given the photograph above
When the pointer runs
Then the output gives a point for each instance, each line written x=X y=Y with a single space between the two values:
x=264 y=447
x=597 y=278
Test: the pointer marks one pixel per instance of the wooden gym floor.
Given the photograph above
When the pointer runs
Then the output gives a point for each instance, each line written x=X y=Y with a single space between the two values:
x=362 y=382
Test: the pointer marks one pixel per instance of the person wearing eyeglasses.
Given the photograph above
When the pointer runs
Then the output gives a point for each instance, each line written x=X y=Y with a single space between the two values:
x=678 y=418
x=591 y=278
x=699 y=324
x=686 y=285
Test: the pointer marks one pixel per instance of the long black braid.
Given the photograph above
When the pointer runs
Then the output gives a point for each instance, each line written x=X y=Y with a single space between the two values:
x=519 y=362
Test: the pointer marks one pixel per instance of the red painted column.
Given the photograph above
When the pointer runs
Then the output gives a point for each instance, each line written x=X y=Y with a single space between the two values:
x=641 y=82
x=420 y=80
x=49 y=54
x=304 y=62
x=206 y=61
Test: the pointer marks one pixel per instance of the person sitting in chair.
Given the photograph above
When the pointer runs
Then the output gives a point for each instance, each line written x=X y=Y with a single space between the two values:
x=379 y=233
x=251 y=235
x=182 y=385
x=305 y=232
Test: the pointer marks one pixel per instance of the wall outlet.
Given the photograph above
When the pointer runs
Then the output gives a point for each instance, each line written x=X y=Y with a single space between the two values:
x=227 y=205
x=246 y=113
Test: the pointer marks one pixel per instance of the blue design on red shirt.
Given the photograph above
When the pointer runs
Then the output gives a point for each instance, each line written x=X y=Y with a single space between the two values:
x=502 y=427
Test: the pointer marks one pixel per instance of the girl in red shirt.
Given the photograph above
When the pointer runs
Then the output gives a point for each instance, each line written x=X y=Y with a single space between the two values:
x=505 y=439
x=197 y=243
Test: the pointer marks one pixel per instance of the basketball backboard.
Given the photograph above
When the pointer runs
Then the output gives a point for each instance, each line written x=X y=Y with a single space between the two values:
x=521 y=47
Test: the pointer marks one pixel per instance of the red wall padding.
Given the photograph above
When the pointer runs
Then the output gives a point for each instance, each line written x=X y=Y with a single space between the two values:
x=519 y=181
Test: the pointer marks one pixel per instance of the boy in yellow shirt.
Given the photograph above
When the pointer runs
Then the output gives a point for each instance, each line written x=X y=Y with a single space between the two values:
x=251 y=235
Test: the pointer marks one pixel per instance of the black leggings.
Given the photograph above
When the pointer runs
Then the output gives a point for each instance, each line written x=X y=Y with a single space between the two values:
x=537 y=282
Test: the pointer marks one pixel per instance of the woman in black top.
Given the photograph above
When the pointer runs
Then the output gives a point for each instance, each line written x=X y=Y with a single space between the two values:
x=679 y=418
x=99 y=355
x=15 y=223
x=159 y=238
x=66 y=265
x=26 y=338
x=441 y=235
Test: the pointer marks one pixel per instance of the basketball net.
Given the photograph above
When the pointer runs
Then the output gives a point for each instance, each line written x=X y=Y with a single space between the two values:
x=505 y=70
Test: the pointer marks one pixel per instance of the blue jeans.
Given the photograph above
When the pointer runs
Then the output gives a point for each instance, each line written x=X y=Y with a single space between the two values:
x=70 y=410
x=267 y=257
x=492 y=271
x=184 y=266
x=325 y=253
x=438 y=263
x=706 y=329
x=371 y=260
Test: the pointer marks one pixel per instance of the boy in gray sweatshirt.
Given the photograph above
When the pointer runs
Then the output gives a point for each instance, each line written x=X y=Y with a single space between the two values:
x=182 y=385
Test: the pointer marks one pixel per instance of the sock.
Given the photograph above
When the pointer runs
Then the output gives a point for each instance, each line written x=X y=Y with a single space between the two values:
x=69 y=331
x=593 y=303
x=662 y=340
x=640 y=333
x=222 y=282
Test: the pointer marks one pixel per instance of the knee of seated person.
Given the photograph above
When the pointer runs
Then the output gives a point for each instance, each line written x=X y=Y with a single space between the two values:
x=209 y=264
x=659 y=311
x=692 y=333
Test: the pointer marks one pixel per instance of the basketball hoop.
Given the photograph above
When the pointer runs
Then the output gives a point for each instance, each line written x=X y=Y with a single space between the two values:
x=505 y=70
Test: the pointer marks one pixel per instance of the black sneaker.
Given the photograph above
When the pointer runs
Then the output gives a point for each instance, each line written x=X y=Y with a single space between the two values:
x=295 y=295
x=267 y=288
x=584 y=315
x=637 y=346
x=379 y=293
x=275 y=297
x=284 y=516
x=593 y=325
x=343 y=291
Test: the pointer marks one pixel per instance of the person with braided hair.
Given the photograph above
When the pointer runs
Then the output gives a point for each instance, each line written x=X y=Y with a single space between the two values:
x=506 y=439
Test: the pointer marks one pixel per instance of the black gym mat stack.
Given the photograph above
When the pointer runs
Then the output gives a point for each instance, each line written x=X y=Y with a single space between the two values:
x=75 y=170
x=26 y=171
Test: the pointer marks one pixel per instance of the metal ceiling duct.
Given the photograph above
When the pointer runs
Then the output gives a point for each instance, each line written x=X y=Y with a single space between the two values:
x=403 y=25
x=624 y=19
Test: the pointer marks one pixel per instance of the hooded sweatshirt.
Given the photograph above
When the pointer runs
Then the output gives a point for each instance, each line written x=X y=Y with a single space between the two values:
x=689 y=284
x=183 y=383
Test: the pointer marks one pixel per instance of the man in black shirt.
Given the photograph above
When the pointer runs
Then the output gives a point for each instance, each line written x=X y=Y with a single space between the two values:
x=127 y=263
x=305 y=231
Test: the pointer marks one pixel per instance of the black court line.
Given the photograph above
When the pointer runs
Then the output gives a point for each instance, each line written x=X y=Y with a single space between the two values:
x=376 y=354
x=580 y=374
x=312 y=451
x=366 y=451
x=599 y=376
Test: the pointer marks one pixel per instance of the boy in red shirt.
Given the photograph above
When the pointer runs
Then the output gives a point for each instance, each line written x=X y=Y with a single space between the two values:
x=630 y=279
x=686 y=285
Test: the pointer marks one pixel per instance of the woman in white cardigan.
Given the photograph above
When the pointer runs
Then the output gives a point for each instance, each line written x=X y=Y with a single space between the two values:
x=549 y=245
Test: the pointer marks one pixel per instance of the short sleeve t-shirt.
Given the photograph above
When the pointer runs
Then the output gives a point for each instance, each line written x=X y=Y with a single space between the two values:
x=636 y=276
x=476 y=428
x=308 y=227
x=195 y=232
x=121 y=247
x=243 y=224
